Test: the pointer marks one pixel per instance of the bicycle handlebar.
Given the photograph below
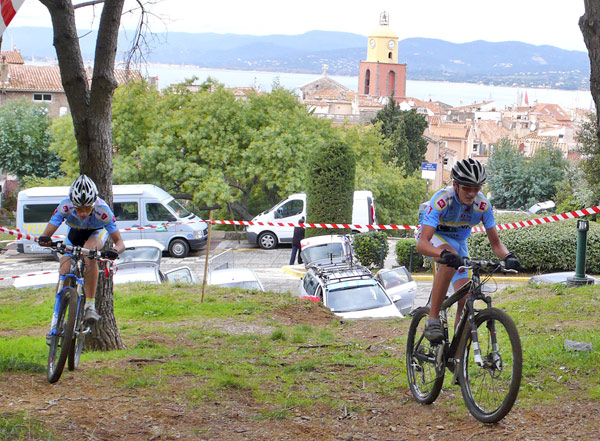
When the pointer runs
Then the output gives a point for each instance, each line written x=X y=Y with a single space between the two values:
x=488 y=266
x=77 y=250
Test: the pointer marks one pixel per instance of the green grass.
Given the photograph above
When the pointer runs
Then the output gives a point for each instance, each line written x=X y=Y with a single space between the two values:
x=21 y=427
x=3 y=237
x=232 y=345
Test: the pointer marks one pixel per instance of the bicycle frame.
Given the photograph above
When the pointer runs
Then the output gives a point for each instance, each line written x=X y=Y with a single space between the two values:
x=489 y=375
x=65 y=280
x=472 y=290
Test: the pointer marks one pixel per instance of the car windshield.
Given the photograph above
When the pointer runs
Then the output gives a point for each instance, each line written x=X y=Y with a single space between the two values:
x=139 y=254
x=356 y=295
x=323 y=251
x=179 y=209
x=246 y=284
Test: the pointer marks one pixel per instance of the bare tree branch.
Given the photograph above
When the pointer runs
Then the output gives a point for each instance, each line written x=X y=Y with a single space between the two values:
x=90 y=3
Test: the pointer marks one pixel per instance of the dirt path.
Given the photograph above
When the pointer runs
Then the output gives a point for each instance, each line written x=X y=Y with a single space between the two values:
x=93 y=403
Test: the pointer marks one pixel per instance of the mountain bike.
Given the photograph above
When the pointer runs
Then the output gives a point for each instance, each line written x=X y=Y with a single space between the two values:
x=68 y=329
x=484 y=354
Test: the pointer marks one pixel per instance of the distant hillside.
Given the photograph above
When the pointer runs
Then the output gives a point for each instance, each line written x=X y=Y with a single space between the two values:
x=506 y=63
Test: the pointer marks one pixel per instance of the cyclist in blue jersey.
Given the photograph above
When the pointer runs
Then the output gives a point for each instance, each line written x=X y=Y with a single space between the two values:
x=446 y=225
x=90 y=221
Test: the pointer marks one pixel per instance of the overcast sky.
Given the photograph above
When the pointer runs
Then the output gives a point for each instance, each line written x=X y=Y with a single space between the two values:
x=552 y=22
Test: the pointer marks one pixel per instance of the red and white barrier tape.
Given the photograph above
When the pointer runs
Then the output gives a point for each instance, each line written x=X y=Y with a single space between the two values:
x=545 y=220
x=508 y=226
x=27 y=275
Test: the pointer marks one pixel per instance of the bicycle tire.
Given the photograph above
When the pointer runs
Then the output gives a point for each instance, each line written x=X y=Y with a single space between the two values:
x=78 y=338
x=490 y=391
x=63 y=339
x=424 y=367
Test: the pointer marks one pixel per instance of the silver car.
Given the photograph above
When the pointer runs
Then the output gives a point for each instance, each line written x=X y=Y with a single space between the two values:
x=400 y=286
x=349 y=291
x=140 y=262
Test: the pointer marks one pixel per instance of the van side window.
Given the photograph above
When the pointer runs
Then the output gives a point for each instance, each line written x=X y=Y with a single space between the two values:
x=158 y=213
x=126 y=211
x=36 y=213
x=290 y=208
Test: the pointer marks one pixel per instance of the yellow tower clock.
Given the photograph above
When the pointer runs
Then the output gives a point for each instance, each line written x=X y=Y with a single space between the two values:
x=383 y=42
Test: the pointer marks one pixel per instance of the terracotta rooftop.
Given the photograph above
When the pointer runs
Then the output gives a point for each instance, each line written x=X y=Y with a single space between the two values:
x=34 y=78
x=12 y=57
x=451 y=130
x=333 y=94
x=368 y=101
x=554 y=110
x=490 y=132
x=47 y=78
x=434 y=106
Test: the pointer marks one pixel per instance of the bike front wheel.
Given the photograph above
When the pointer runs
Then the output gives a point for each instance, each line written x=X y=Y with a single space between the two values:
x=425 y=364
x=60 y=344
x=490 y=390
x=78 y=338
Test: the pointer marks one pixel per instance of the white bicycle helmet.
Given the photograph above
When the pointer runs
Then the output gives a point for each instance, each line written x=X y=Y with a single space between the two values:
x=468 y=172
x=83 y=192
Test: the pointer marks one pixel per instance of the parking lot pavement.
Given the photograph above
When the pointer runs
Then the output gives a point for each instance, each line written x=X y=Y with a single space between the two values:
x=270 y=265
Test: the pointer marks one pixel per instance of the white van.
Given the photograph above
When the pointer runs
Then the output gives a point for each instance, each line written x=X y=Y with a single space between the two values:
x=134 y=206
x=292 y=209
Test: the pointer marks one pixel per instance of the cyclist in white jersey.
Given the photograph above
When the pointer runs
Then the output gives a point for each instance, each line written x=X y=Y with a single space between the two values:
x=90 y=221
x=446 y=225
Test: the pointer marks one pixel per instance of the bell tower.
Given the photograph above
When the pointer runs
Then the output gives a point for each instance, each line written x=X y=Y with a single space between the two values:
x=381 y=75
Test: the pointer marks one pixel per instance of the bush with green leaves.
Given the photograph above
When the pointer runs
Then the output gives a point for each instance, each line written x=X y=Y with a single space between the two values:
x=542 y=248
x=371 y=248
x=330 y=187
x=403 y=254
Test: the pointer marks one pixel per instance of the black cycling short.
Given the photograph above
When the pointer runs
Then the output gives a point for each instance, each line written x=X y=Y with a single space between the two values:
x=78 y=236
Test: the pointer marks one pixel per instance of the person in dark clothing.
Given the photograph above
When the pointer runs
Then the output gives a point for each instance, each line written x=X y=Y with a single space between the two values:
x=298 y=236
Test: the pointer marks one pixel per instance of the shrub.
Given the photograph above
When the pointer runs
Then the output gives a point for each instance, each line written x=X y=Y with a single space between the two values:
x=371 y=248
x=403 y=247
x=542 y=248
x=330 y=192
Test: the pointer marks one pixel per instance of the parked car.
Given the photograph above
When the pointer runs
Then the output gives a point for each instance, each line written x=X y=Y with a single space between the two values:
x=235 y=278
x=140 y=262
x=326 y=248
x=349 y=291
x=400 y=286
x=290 y=210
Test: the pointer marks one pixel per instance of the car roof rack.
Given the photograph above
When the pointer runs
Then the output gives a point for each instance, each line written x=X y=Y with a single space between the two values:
x=342 y=271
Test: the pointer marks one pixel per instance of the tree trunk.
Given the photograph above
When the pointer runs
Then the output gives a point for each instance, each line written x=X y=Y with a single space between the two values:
x=91 y=111
x=589 y=23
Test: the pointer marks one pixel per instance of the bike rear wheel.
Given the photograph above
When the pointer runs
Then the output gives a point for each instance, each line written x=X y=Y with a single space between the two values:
x=490 y=390
x=78 y=338
x=60 y=344
x=425 y=364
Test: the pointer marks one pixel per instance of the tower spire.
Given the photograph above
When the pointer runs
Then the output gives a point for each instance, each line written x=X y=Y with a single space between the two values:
x=384 y=18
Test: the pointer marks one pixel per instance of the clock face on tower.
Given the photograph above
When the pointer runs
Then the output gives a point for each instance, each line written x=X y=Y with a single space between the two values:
x=391 y=44
x=372 y=42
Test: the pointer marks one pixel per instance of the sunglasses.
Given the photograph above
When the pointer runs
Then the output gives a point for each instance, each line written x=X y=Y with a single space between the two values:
x=470 y=189
x=83 y=209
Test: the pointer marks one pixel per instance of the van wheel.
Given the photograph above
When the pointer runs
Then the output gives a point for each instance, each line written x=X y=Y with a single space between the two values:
x=179 y=248
x=267 y=241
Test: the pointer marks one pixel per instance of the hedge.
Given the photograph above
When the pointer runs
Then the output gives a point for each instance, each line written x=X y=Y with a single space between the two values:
x=330 y=189
x=542 y=248
x=371 y=248
x=403 y=246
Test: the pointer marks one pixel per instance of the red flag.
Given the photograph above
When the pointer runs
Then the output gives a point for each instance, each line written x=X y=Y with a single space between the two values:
x=526 y=99
x=8 y=9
